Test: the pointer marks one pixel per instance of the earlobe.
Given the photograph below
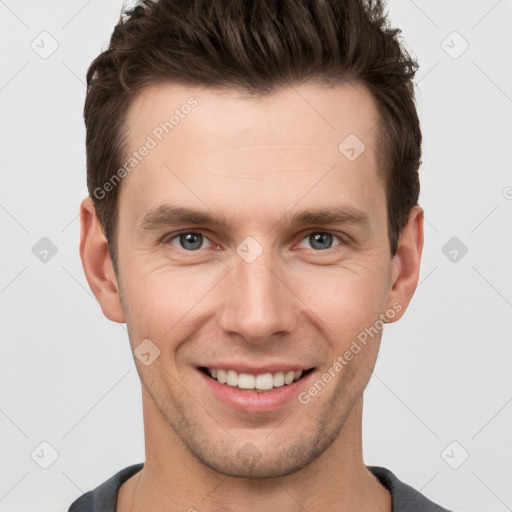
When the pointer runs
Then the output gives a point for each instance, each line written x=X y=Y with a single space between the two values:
x=97 y=263
x=406 y=263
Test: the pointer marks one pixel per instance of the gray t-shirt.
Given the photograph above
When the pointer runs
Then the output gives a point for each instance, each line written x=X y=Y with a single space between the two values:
x=104 y=497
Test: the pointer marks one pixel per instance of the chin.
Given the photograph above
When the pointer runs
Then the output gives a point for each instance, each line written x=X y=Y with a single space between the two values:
x=262 y=459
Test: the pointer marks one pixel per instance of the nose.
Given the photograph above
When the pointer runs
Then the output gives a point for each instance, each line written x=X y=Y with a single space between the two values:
x=258 y=302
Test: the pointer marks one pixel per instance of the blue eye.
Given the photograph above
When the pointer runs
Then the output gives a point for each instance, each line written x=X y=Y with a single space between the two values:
x=188 y=241
x=320 y=240
x=191 y=241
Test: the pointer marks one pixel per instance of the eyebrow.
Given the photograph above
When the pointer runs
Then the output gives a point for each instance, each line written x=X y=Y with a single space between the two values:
x=167 y=215
x=336 y=215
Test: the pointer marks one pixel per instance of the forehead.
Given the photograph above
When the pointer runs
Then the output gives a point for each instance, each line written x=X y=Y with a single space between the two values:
x=292 y=114
x=220 y=147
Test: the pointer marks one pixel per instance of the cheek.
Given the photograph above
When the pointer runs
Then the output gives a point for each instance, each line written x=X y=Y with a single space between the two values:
x=159 y=301
x=346 y=300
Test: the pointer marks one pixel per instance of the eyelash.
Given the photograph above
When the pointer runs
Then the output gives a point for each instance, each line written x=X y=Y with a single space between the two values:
x=167 y=239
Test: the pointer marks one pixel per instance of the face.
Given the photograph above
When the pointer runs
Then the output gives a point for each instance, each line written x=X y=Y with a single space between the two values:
x=249 y=241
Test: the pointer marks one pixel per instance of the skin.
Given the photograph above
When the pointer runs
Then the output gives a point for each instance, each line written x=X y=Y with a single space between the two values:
x=255 y=162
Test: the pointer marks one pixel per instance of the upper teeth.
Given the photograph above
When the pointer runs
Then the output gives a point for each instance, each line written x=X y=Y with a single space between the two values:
x=249 y=381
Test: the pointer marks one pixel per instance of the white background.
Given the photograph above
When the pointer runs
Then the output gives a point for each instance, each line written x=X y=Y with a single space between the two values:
x=444 y=372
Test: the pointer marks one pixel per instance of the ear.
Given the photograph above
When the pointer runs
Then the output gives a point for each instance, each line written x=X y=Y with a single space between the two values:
x=405 y=264
x=97 y=263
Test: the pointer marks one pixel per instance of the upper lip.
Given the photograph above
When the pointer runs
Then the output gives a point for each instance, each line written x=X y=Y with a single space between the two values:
x=256 y=369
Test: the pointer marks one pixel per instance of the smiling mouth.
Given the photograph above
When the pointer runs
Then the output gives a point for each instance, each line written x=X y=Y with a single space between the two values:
x=257 y=383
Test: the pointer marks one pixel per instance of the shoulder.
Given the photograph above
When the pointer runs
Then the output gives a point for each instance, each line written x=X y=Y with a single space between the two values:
x=404 y=497
x=104 y=497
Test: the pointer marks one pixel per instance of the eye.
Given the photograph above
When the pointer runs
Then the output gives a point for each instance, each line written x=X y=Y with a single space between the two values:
x=320 y=240
x=188 y=241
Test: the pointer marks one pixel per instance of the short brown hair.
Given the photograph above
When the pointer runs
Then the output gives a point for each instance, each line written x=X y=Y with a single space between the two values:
x=254 y=46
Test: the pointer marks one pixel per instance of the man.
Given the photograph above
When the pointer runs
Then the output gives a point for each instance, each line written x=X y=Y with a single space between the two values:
x=253 y=218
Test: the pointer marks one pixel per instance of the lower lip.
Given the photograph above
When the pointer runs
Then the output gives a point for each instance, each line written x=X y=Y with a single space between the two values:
x=254 y=401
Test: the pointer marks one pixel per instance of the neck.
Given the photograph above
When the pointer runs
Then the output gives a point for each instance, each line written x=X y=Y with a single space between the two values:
x=174 y=479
